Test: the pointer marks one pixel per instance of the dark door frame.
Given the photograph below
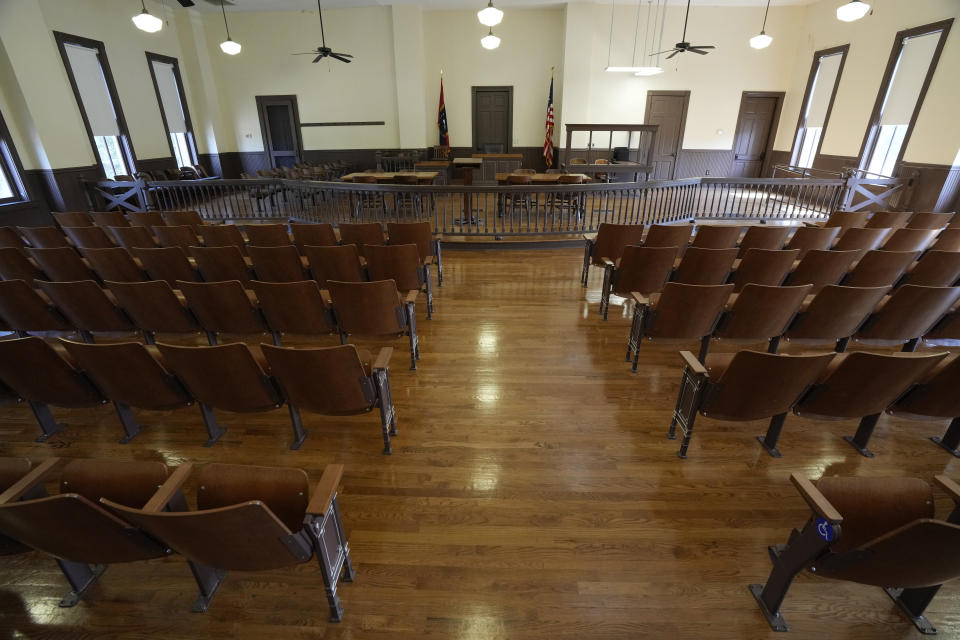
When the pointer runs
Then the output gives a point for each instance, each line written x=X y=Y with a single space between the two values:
x=683 y=120
x=262 y=101
x=774 y=124
x=473 y=113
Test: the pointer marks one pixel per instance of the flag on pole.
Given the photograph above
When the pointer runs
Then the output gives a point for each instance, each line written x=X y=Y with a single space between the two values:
x=442 y=120
x=548 y=142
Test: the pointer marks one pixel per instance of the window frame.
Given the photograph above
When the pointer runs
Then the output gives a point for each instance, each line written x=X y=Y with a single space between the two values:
x=191 y=138
x=126 y=144
x=842 y=51
x=868 y=145
x=11 y=168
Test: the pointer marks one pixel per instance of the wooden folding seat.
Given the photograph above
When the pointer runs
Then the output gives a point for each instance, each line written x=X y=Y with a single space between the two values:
x=277 y=264
x=833 y=315
x=166 y=263
x=874 y=531
x=935 y=269
x=12 y=470
x=762 y=236
x=148 y=219
x=219 y=264
x=42 y=377
x=822 y=268
x=608 y=242
x=222 y=235
x=342 y=264
x=680 y=313
x=361 y=234
x=669 y=235
x=24 y=310
x=880 y=268
x=88 y=307
x=88 y=237
x=178 y=218
x=641 y=269
x=763 y=266
x=907 y=315
x=223 y=307
x=44 y=237
x=401 y=263
x=375 y=309
x=62 y=264
x=267 y=235
x=930 y=220
x=910 y=239
x=11 y=239
x=114 y=264
x=889 y=219
x=335 y=381
x=65 y=219
x=108 y=219
x=182 y=236
x=154 y=308
x=948 y=240
x=320 y=234
x=704 y=266
x=717 y=236
x=847 y=219
x=808 y=238
x=861 y=239
x=133 y=237
x=760 y=313
x=747 y=385
x=252 y=518
x=935 y=397
x=14 y=265
x=420 y=234
x=946 y=332
x=294 y=307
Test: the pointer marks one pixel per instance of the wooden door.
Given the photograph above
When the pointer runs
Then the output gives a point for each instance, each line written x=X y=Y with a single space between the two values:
x=280 y=126
x=668 y=109
x=752 y=138
x=492 y=119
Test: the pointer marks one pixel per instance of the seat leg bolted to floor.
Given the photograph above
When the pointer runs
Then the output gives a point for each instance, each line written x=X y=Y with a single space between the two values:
x=861 y=438
x=587 y=250
x=605 y=290
x=214 y=430
x=333 y=554
x=913 y=602
x=688 y=403
x=412 y=332
x=299 y=433
x=208 y=583
x=388 y=413
x=45 y=418
x=80 y=576
x=636 y=334
x=130 y=426
x=950 y=440
x=769 y=441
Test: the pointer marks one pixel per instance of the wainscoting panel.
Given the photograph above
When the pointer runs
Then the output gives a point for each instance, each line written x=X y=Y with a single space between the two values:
x=716 y=163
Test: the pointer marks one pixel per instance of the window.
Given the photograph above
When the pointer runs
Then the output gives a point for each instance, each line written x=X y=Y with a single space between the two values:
x=11 y=185
x=909 y=70
x=92 y=82
x=817 y=103
x=173 y=107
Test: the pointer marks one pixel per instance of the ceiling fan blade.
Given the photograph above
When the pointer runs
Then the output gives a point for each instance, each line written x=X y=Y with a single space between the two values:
x=337 y=56
x=674 y=53
x=667 y=51
x=305 y=53
x=703 y=46
x=702 y=53
x=319 y=58
x=345 y=55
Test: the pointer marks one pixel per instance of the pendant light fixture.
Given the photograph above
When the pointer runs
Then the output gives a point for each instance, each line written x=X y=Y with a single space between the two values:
x=853 y=10
x=490 y=16
x=228 y=46
x=146 y=21
x=762 y=41
x=490 y=41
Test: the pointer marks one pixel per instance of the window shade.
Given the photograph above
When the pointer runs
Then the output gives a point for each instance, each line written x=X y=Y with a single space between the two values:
x=823 y=85
x=92 y=87
x=908 y=76
x=169 y=97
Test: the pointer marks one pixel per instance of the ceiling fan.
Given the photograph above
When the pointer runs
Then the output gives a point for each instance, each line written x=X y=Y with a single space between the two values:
x=190 y=3
x=323 y=51
x=684 y=45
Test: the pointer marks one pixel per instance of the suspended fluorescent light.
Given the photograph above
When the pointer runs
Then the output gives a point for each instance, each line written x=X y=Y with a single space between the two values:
x=649 y=71
x=853 y=10
x=762 y=41
x=228 y=46
x=146 y=21
x=622 y=69
x=490 y=41
x=490 y=16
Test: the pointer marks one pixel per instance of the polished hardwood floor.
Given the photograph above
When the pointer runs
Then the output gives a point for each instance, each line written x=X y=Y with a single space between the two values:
x=531 y=494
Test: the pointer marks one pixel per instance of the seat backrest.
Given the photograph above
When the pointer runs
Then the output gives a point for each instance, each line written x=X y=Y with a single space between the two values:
x=573 y=178
x=294 y=307
x=399 y=262
x=334 y=263
x=153 y=306
x=62 y=264
x=222 y=307
x=521 y=178
x=929 y=220
x=705 y=266
x=763 y=236
x=910 y=239
x=820 y=268
x=687 y=310
x=86 y=305
x=935 y=269
x=189 y=218
x=67 y=219
x=148 y=219
x=133 y=236
x=182 y=236
x=417 y=233
x=326 y=380
x=222 y=235
x=577 y=161
x=368 y=308
x=320 y=234
x=405 y=178
x=861 y=238
x=10 y=238
x=88 y=237
x=33 y=369
x=948 y=240
x=225 y=376
x=888 y=219
x=217 y=264
x=44 y=237
x=762 y=385
x=612 y=238
x=267 y=235
x=643 y=269
x=717 y=236
x=807 y=238
x=764 y=266
x=761 y=312
x=277 y=264
x=669 y=235
x=909 y=313
x=14 y=265
x=361 y=234
x=880 y=268
x=835 y=312
x=166 y=263
x=109 y=219
x=114 y=264
x=23 y=309
x=847 y=219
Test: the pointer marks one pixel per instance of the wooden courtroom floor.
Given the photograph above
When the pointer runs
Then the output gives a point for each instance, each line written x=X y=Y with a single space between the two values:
x=532 y=493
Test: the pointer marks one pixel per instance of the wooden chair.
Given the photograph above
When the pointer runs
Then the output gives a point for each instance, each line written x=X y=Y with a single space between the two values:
x=181 y=236
x=178 y=218
x=401 y=263
x=133 y=237
x=277 y=264
x=807 y=238
x=44 y=237
x=573 y=203
x=267 y=235
x=11 y=239
x=154 y=308
x=108 y=219
x=704 y=266
x=294 y=307
x=717 y=236
x=930 y=220
x=166 y=263
x=681 y=313
x=833 y=315
x=361 y=234
x=148 y=219
x=908 y=314
x=319 y=234
x=407 y=202
x=760 y=313
x=608 y=243
x=375 y=309
x=222 y=235
x=88 y=308
x=219 y=264
x=341 y=263
x=889 y=219
x=822 y=268
x=880 y=268
x=761 y=236
x=114 y=264
x=935 y=397
x=948 y=240
x=641 y=269
x=66 y=219
x=669 y=235
x=875 y=531
x=223 y=307
x=88 y=237
x=910 y=239
x=847 y=219
x=335 y=381
x=420 y=234
x=62 y=264
x=763 y=266
x=861 y=239
x=935 y=269
x=252 y=518
x=24 y=310
x=14 y=265
x=747 y=385
x=946 y=332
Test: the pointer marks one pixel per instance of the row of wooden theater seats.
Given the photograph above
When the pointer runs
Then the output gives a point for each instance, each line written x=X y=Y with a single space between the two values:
x=647 y=269
x=608 y=243
x=891 y=219
x=244 y=518
x=338 y=381
x=759 y=313
x=215 y=308
x=750 y=385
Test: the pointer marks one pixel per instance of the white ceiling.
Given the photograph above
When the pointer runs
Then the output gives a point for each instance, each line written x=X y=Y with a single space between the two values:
x=301 y=5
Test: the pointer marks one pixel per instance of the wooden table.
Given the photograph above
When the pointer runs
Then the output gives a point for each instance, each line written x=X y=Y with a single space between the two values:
x=544 y=178
x=441 y=166
x=386 y=177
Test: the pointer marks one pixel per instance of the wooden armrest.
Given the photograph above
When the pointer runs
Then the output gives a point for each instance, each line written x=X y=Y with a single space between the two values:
x=590 y=237
x=691 y=361
x=383 y=358
x=168 y=489
x=411 y=296
x=639 y=298
x=607 y=262
x=22 y=486
x=327 y=298
x=325 y=490
x=949 y=486
x=816 y=500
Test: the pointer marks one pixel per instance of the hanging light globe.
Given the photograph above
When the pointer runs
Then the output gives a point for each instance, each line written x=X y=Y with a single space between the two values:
x=490 y=16
x=146 y=21
x=490 y=41
x=761 y=41
x=852 y=11
x=230 y=47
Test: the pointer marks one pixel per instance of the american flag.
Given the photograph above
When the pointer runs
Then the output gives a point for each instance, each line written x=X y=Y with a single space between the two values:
x=548 y=142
